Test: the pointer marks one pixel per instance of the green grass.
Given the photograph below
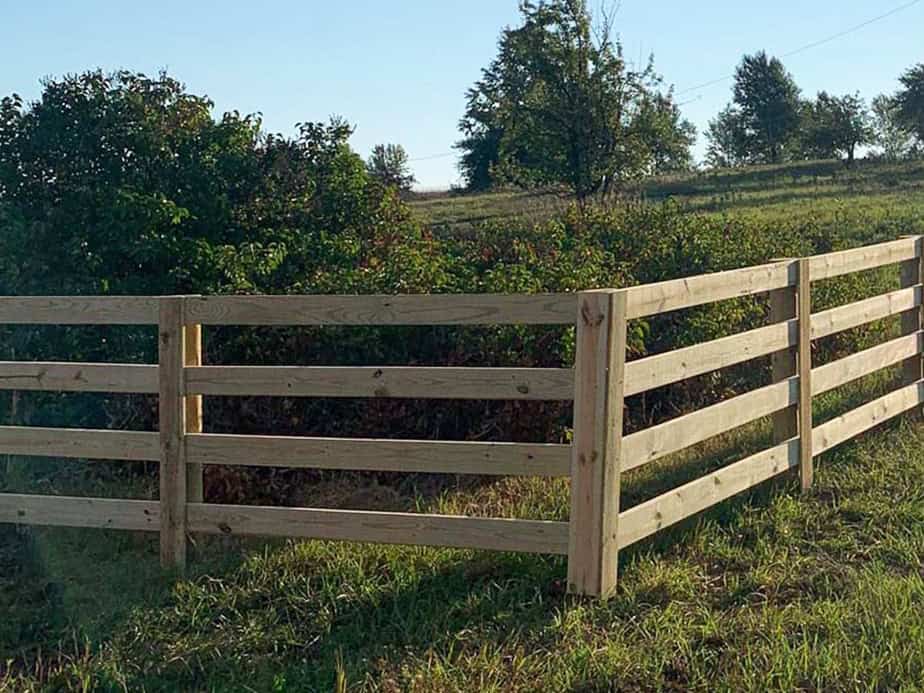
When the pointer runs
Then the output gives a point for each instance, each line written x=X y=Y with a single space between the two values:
x=771 y=590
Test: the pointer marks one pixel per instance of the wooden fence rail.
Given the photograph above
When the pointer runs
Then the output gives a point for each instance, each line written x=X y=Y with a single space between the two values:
x=599 y=384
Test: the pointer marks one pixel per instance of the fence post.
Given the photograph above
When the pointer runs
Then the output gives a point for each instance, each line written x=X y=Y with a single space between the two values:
x=193 y=357
x=783 y=364
x=912 y=274
x=172 y=415
x=806 y=469
x=599 y=365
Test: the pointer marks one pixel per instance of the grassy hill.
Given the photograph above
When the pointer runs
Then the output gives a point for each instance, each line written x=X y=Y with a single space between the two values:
x=771 y=590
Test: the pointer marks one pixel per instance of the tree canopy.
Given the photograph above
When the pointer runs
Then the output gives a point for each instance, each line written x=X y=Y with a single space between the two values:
x=559 y=104
x=389 y=165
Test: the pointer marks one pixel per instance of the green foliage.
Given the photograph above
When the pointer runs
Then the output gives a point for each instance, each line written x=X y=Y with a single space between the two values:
x=894 y=140
x=835 y=126
x=909 y=101
x=389 y=165
x=765 y=118
x=559 y=105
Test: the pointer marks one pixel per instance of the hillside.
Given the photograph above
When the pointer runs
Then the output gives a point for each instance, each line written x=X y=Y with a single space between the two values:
x=819 y=189
x=771 y=590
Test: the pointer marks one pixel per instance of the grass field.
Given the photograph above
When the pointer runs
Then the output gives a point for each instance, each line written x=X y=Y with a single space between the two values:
x=771 y=590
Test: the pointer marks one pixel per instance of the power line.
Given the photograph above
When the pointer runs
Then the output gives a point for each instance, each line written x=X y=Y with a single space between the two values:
x=809 y=46
x=433 y=156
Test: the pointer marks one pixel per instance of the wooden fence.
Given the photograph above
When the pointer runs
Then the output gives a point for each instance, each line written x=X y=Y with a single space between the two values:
x=598 y=384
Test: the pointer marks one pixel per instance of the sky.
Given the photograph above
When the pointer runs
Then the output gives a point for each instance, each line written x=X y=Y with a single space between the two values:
x=399 y=70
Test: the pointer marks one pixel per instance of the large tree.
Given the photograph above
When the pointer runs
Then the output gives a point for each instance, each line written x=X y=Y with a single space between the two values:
x=836 y=126
x=894 y=140
x=909 y=101
x=764 y=118
x=559 y=104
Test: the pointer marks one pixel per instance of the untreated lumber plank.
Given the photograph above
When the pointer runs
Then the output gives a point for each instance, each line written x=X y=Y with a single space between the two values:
x=838 y=430
x=850 y=368
x=652 y=443
x=422 y=309
x=78 y=310
x=597 y=442
x=172 y=416
x=79 y=443
x=784 y=305
x=806 y=467
x=68 y=511
x=530 y=536
x=647 y=518
x=414 y=456
x=384 y=381
x=78 y=377
x=858 y=259
x=912 y=274
x=674 y=294
x=193 y=357
x=850 y=315
x=663 y=369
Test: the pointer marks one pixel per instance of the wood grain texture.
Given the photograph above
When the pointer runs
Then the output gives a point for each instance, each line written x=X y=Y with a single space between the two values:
x=530 y=536
x=912 y=275
x=172 y=417
x=414 y=456
x=850 y=368
x=647 y=518
x=842 y=428
x=384 y=381
x=653 y=443
x=67 y=511
x=784 y=306
x=806 y=467
x=596 y=448
x=79 y=443
x=675 y=294
x=192 y=339
x=78 y=377
x=78 y=310
x=663 y=369
x=423 y=309
x=858 y=259
x=834 y=320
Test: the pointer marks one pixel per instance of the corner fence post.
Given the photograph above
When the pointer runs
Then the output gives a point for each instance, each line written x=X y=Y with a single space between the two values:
x=171 y=407
x=806 y=469
x=912 y=274
x=193 y=357
x=784 y=304
x=599 y=365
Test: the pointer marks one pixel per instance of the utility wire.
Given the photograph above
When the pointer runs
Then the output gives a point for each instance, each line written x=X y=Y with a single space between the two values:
x=809 y=46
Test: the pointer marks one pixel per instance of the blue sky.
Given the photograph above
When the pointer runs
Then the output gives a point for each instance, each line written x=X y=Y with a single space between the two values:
x=399 y=70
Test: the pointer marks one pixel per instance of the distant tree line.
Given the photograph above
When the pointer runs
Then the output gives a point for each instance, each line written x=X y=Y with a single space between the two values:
x=768 y=120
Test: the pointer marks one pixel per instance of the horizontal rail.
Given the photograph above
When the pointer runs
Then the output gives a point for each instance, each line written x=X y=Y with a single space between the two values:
x=383 y=381
x=78 y=310
x=414 y=456
x=850 y=315
x=423 y=309
x=674 y=294
x=78 y=377
x=530 y=536
x=838 y=430
x=855 y=366
x=662 y=369
x=68 y=511
x=94 y=444
x=667 y=509
x=677 y=434
x=863 y=258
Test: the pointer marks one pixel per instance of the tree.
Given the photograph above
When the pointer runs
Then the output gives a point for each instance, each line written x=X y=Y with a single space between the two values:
x=895 y=141
x=727 y=143
x=762 y=123
x=835 y=126
x=388 y=164
x=909 y=101
x=560 y=105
